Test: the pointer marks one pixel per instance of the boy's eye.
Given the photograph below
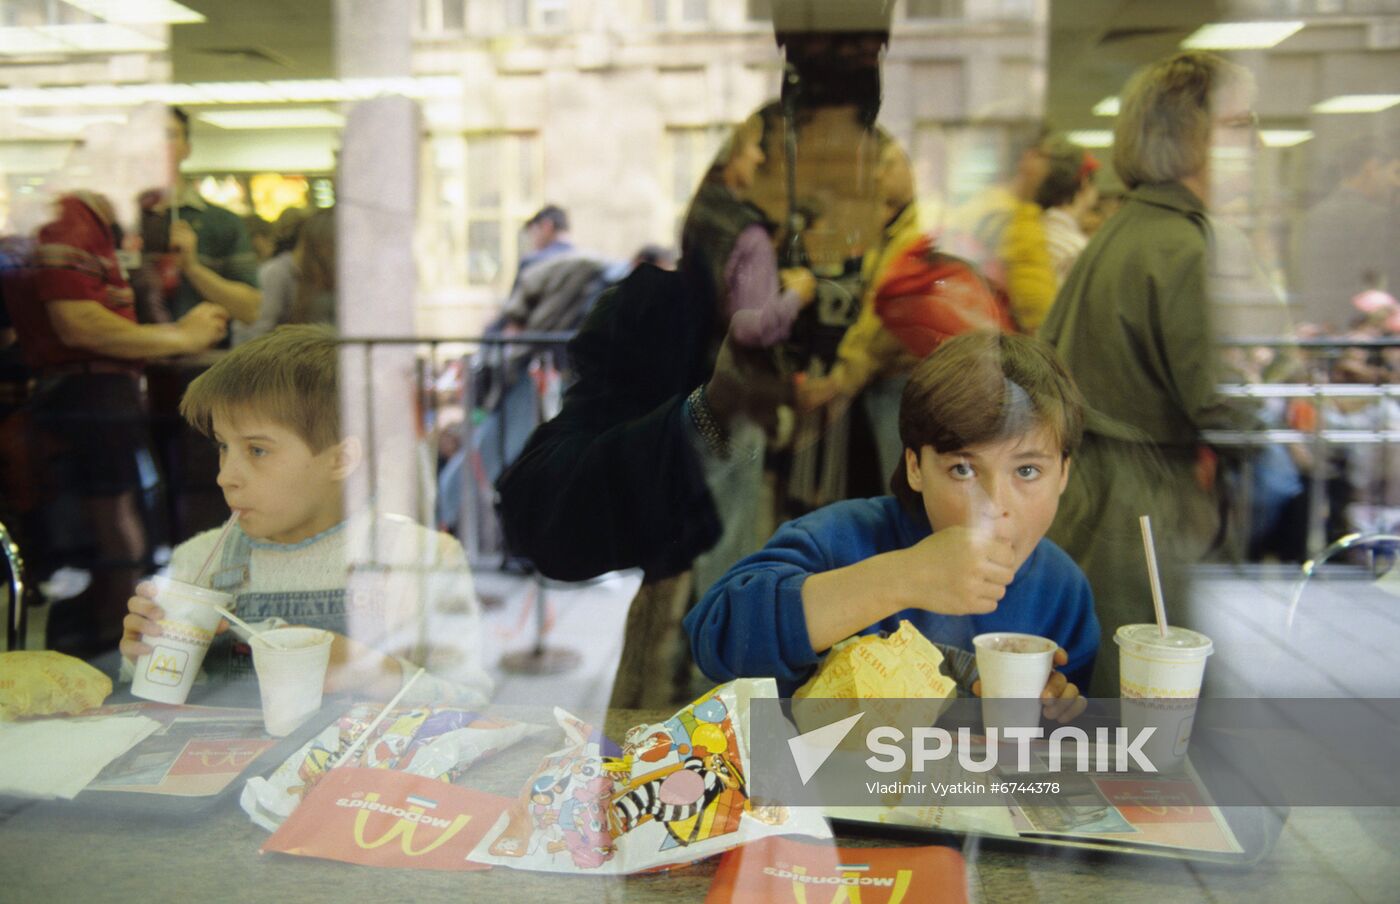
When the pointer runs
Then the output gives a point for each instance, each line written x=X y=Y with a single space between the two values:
x=257 y=451
x=222 y=447
x=961 y=471
x=1028 y=472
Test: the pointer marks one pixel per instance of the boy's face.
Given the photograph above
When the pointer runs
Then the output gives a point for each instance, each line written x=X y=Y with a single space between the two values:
x=284 y=491
x=1010 y=488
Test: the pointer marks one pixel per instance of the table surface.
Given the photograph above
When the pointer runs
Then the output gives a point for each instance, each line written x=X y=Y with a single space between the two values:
x=64 y=852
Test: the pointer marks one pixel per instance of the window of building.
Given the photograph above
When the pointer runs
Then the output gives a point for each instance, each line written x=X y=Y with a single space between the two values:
x=537 y=15
x=680 y=12
x=688 y=153
x=933 y=9
x=501 y=186
x=440 y=17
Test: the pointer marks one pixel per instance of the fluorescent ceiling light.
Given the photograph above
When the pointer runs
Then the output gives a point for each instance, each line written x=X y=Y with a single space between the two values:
x=222 y=93
x=436 y=86
x=67 y=125
x=1284 y=138
x=1107 y=107
x=1092 y=138
x=100 y=38
x=29 y=40
x=322 y=90
x=280 y=118
x=239 y=92
x=1357 y=103
x=166 y=12
x=1240 y=35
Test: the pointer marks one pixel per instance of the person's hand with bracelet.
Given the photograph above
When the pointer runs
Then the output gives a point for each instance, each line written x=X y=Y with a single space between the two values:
x=744 y=384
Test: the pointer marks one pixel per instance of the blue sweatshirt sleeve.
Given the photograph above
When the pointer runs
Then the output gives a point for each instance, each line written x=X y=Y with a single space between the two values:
x=751 y=622
x=1082 y=637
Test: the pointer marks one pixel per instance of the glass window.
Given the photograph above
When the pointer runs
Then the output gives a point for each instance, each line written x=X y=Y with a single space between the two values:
x=933 y=9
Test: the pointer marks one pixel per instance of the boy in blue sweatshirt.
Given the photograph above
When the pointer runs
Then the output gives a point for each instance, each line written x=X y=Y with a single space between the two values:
x=988 y=422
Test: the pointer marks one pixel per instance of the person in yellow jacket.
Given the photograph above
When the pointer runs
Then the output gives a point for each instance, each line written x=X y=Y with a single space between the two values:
x=1000 y=230
x=869 y=357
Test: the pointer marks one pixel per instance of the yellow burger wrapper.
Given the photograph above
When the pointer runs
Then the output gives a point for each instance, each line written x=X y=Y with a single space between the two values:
x=902 y=666
x=45 y=683
x=879 y=676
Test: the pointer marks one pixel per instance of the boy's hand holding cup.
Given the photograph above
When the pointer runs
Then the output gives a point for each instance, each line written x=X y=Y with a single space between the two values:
x=168 y=639
x=1015 y=672
x=1059 y=700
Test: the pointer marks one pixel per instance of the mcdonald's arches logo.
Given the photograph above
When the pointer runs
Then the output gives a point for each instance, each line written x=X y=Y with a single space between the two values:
x=218 y=756
x=382 y=817
x=167 y=666
x=406 y=823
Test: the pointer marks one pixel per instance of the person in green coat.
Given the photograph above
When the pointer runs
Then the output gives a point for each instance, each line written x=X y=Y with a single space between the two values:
x=1135 y=324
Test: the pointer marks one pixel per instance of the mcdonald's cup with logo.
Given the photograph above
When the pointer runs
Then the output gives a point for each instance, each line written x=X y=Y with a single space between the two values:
x=166 y=673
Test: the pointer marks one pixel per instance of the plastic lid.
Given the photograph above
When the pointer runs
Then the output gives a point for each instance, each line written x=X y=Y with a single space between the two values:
x=1180 y=643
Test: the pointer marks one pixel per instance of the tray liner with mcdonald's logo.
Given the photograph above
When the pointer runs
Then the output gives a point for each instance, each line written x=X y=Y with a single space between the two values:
x=194 y=760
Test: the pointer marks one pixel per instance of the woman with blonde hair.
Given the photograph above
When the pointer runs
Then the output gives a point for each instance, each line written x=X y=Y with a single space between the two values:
x=1134 y=326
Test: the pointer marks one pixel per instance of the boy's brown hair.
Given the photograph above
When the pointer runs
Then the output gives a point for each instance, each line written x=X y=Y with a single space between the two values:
x=983 y=387
x=287 y=375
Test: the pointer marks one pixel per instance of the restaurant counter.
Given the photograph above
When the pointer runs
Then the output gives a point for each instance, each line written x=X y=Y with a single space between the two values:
x=64 y=851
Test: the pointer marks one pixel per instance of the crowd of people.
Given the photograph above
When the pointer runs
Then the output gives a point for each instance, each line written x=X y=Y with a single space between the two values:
x=955 y=423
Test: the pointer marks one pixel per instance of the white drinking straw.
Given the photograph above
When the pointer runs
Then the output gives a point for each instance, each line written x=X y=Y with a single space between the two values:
x=218 y=544
x=364 y=735
x=264 y=633
x=1153 y=578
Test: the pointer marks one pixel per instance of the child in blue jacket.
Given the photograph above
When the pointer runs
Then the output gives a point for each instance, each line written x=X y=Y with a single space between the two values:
x=988 y=422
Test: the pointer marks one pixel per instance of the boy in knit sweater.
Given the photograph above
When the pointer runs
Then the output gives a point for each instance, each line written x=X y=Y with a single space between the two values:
x=376 y=581
x=988 y=422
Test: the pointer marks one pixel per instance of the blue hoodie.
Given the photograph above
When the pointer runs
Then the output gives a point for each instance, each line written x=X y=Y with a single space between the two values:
x=751 y=622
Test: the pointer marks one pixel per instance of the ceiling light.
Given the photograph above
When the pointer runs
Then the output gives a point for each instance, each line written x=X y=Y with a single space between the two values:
x=154 y=12
x=281 y=118
x=1357 y=103
x=101 y=38
x=1240 y=35
x=1107 y=107
x=239 y=92
x=1092 y=138
x=221 y=93
x=1284 y=138
x=67 y=125
x=313 y=90
x=29 y=40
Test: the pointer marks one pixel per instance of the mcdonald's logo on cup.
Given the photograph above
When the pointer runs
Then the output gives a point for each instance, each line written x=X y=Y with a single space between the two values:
x=167 y=666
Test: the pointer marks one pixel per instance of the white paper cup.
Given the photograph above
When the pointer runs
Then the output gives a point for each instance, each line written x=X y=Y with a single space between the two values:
x=1013 y=668
x=1159 y=682
x=167 y=672
x=291 y=668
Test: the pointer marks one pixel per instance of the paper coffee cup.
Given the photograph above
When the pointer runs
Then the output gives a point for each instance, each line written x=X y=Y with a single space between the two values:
x=1159 y=682
x=166 y=674
x=1014 y=669
x=291 y=665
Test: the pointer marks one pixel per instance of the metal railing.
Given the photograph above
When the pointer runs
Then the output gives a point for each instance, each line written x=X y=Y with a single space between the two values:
x=476 y=526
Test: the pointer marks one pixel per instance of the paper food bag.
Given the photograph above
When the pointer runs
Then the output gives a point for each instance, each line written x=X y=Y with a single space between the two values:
x=677 y=794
